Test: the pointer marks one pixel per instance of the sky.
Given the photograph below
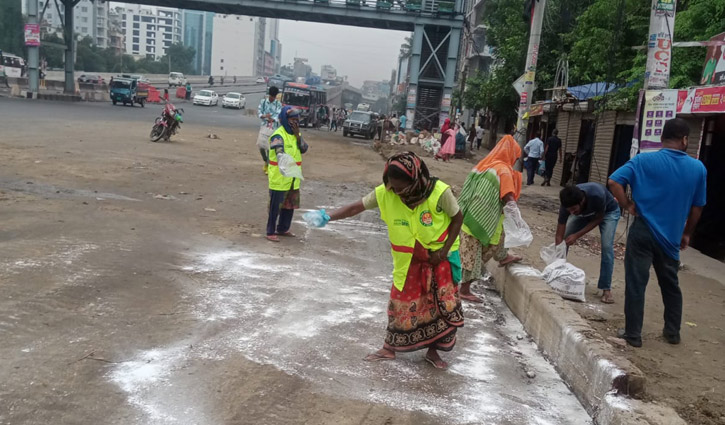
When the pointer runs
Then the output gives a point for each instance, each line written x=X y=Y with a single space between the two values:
x=360 y=53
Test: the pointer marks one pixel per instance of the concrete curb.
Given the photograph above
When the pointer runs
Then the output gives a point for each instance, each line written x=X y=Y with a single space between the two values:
x=602 y=380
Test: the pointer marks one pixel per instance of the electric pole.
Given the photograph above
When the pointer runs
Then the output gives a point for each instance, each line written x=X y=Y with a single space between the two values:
x=659 y=44
x=532 y=55
x=33 y=50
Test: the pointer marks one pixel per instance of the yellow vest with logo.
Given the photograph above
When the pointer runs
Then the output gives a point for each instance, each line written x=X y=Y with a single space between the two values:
x=405 y=226
x=276 y=180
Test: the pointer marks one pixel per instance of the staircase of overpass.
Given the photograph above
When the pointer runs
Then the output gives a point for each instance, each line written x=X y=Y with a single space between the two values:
x=436 y=27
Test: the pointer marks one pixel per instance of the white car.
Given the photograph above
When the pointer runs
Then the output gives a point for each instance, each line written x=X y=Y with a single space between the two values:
x=176 y=79
x=234 y=100
x=206 y=97
x=261 y=80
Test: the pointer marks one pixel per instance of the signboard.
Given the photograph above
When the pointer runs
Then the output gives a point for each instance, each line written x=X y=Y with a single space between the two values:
x=412 y=98
x=701 y=100
x=659 y=47
x=659 y=106
x=524 y=98
x=32 y=34
x=714 y=70
x=446 y=103
x=536 y=110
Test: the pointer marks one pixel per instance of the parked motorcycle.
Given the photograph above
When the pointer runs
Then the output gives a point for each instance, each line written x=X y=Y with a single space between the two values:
x=167 y=124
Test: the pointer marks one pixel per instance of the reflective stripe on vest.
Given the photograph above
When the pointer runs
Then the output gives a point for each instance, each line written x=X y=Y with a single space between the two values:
x=276 y=180
x=423 y=224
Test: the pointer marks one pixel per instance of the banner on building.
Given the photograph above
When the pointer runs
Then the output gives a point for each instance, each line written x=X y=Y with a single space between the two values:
x=32 y=34
x=701 y=100
x=714 y=70
x=659 y=106
x=659 y=47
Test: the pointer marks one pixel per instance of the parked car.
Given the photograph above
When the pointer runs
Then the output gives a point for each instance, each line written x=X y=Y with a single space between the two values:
x=176 y=79
x=90 y=79
x=234 y=100
x=261 y=80
x=206 y=97
x=360 y=122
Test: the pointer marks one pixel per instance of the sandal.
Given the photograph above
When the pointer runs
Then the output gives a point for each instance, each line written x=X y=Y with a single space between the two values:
x=607 y=299
x=505 y=262
x=272 y=238
x=287 y=234
x=470 y=298
x=440 y=364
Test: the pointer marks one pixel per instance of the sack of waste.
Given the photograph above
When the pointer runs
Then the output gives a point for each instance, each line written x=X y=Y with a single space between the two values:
x=564 y=278
x=516 y=229
x=288 y=166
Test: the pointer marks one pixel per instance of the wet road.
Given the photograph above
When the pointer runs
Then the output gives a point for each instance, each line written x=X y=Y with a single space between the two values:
x=137 y=289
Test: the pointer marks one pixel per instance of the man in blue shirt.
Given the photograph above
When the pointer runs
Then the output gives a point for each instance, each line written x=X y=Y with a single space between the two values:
x=268 y=113
x=534 y=150
x=668 y=193
x=591 y=205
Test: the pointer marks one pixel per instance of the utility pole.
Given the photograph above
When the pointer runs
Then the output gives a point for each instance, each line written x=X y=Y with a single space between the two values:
x=33 y=51
x=532 y=55
x=659 y=45
x=70 y=47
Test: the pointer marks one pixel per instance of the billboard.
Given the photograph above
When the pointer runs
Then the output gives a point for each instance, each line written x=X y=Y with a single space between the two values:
x=714 y=70
x=659 y=106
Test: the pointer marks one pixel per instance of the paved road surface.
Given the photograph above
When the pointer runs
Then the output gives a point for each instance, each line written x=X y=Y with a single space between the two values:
x=137 y=288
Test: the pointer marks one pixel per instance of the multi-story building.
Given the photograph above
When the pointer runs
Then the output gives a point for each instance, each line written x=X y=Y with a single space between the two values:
x=199 y=34
x=475 y=54
x=149 y=31
x=116 y=38
x=374 y=90
x=328 y=73
x=90 y=19
x=272 y=44
x=238 y=48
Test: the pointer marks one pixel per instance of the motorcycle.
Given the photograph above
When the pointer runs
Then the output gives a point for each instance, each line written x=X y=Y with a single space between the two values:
x=167 y=124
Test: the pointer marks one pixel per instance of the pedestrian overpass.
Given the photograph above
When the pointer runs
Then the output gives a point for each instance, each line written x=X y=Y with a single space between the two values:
x=436 y=27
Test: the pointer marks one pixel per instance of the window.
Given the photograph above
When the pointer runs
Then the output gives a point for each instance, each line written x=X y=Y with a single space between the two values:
x=84 y=19
x=136 y=18
x=135 y=48
x=136 y=26
x=84 y=29
x=150 y=34
x=84 y=9
x=167 y=36
x=136 y=33
x=222 y=68
x=222 y=60
x=147 y=19
x=135 y=40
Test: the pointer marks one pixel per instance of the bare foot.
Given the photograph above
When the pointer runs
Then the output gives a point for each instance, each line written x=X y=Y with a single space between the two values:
x=607 y=297
x=433 y=358
x=509 y=259
x=379 y=355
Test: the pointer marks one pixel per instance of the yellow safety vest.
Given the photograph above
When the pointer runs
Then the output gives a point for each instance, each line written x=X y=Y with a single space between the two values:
x=276 y=180
x=405 y=226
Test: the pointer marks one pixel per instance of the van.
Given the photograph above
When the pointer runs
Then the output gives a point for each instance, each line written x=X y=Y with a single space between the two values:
x=176 y=79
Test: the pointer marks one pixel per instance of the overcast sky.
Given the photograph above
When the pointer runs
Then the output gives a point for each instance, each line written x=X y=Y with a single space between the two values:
x=360 y=53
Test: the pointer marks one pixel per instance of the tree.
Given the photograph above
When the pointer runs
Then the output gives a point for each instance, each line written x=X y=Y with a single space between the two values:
x=11 y=27
x=182 y=58
x=696 y=20
x=52 y=54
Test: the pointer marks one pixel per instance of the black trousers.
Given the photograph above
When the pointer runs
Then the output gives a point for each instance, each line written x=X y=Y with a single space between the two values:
x=550 y=163
x=643 y=251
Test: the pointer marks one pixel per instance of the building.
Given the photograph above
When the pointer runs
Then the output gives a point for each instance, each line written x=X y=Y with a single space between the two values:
x=90 y=19
x=374 y=90
x=476 y=55
x=328 y=73
x=198 y=33
x=116 y=37
x=238 y=48
x=301 y=69
x=149 y=31
x=272 y=45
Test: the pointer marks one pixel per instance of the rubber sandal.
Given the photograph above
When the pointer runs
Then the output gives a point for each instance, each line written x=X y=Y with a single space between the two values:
x=470 y=298
x=436 y=365
x=272 y=238
x=515 y=260
x=607 y=300
x=287 y=234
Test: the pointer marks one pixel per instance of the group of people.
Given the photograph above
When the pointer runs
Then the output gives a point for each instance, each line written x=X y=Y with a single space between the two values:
x=536 y=150
x=438 y=241
x=454 y=138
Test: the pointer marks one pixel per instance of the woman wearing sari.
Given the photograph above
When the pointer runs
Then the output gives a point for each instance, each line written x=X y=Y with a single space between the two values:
x=489 y=186
x=423 y=221
x=448 y=144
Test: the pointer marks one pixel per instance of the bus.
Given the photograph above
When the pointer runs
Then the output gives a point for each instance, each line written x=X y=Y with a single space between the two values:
x=305 y=97
x=11 y=65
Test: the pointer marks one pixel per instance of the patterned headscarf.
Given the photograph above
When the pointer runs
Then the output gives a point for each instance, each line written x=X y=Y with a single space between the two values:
x=412 y=166
x=284 y=116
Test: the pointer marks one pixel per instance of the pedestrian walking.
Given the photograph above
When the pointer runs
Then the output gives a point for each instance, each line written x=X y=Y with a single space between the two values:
x=448 y=149
x=333 y=119
x=551 y=150
x=584 y=207
x=268 y=113
x=668 y=194
x=424 y=311
x=284 y=192
x=479 y=136
x=188 y=91
x=395 y=123
x=534 y=151
x=472 y=134
x=491 y=184
x=166 y=95
x=403 y=122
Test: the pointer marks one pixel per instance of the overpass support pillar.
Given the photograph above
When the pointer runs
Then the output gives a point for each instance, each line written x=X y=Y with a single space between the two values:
x=433 y=65
x=70 y=47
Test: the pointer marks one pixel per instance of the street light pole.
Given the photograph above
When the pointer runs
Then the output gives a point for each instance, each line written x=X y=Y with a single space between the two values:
x=530 y=73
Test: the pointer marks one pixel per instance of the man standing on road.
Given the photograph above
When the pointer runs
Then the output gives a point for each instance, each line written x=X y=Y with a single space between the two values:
x=268 y=113
x=591 y=205
x=479 y=136
x=403 y=121
x=553 y=147
x=534 y=150
x=668 y=193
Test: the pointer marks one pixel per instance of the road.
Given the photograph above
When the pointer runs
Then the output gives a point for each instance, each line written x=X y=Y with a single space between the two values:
x=138 y=289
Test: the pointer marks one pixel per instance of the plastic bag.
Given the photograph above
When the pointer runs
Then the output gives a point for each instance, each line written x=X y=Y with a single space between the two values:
x=517 y=231
x=265 y=133
x=542 y=168
x=316 y=218
x=566 y=280
x=288 y=167
x=553 y=252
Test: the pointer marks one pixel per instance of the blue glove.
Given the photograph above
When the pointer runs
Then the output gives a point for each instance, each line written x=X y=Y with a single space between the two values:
x=316 y=218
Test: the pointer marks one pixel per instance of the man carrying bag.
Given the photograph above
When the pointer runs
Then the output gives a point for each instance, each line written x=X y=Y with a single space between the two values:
x=268 y=113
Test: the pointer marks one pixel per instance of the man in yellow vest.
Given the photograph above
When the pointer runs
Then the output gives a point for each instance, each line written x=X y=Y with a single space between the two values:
x=423 y=220
x=284 y=192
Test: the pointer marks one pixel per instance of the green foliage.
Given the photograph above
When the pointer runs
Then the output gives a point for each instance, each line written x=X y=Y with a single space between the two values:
x=11 y=27
x=696 y=20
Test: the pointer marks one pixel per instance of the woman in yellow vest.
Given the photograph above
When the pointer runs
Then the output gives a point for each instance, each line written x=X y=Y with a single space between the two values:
x=284 y=192
x=423 y=222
